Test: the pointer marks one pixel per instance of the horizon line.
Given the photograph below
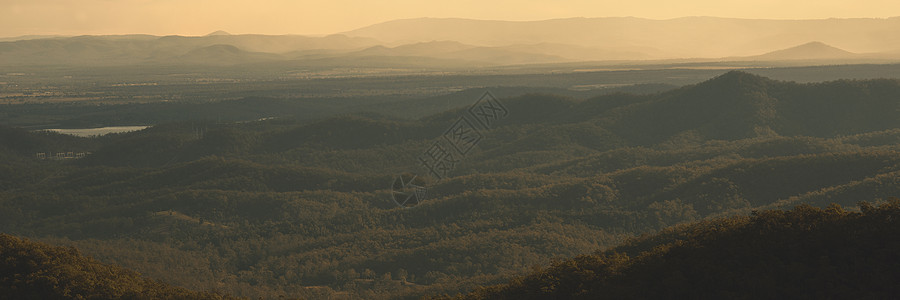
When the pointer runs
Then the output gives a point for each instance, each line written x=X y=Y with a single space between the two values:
x=439 y=18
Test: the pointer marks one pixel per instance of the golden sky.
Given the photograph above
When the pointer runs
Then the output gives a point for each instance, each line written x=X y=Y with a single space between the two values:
x=198 y=17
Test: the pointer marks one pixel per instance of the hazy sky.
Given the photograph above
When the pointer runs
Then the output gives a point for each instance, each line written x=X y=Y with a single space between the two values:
x=198 y=17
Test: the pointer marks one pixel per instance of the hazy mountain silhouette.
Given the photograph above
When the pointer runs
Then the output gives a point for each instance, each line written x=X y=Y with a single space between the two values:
x=430 y=49
x=28 y=37
x=679 y=37
x=502 y=56
x=577 y=52
x=139 y=49
x=263 y=43
x=811 y=50
x=461 y=52
x=500 y=42
x=218 y=32
x=225 y=54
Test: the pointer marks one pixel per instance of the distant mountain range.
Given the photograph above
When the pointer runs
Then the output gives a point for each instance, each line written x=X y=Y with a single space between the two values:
x=147 y=49
x=464 y=42
x=674 y=38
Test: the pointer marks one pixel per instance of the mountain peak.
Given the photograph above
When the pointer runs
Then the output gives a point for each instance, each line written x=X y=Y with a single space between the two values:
x=218 y=32
x=810 y=50
x=817 y=46
x=814 y=44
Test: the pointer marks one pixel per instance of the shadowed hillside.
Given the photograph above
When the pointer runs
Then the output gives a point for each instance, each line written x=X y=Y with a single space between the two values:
x=804 y=253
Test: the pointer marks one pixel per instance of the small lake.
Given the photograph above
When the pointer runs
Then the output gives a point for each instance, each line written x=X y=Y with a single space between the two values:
x=89 y=132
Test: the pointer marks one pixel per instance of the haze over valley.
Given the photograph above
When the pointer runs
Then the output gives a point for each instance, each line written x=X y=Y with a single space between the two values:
x=456 y=42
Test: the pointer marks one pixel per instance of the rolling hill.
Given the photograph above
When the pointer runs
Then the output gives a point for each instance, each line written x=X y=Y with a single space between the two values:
x=302 y=208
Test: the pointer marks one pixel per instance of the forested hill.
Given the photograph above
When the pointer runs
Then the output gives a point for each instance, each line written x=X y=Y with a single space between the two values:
x=803 y=253
x=742 y=105
x=31 y=270
x=300 y=208
x=735 y=105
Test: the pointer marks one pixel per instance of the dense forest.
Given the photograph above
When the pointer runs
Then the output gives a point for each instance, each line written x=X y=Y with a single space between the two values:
x=803 y=253
x=33 y=270
x=297 y=207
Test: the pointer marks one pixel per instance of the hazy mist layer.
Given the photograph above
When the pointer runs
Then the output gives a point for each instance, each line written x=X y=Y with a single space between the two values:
x=471 y=43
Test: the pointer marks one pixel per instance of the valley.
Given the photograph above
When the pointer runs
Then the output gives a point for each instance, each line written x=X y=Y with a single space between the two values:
x=236 y=201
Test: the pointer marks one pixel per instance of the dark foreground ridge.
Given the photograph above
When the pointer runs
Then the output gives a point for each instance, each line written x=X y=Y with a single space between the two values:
x=804 y=253
x=31 y=270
